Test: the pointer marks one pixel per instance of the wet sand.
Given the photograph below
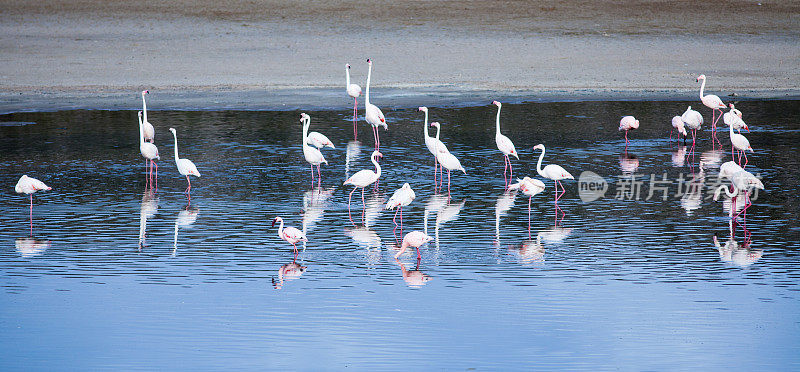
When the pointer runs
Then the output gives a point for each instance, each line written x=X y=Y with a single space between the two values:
x=286 y=54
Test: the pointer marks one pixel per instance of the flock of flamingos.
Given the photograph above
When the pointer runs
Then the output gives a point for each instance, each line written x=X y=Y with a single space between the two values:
x=741 y=181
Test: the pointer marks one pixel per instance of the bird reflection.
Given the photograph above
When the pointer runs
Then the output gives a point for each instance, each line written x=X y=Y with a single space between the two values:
x=738 y=255
x=446 y=214
x=628 y=163
x=693 y=196
x=368 y=239
x=29 y=247
x=504 y=203
x=679 y=156
x=186 y=218
x=315 y=201
x=149 y=207
x=554 y=235
x=433 y=205
x=530 y=251
x=413 y=278
x=351 y=153
x=374 y=206
x=290 y=271
x=711 y=157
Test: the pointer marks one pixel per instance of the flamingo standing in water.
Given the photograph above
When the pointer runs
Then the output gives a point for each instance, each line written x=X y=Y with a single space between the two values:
x=693 y=120
x=553 y=172
x=442 y=148
x=628 y=123
x=733 y=118
x=28 y=185
x=505 y=146
x=373 y=114
x=149 y=151
x=362 y=179
x=530 y=187
x=740 y=143
x=353 y=90
x=413 y=239
x=149 y=131
x=677 y=124
x=313 y=156
x=290 y=234
x=185 y=167
x=714 y=103
x=401 y=198
x=447 y=161
x=432 y=143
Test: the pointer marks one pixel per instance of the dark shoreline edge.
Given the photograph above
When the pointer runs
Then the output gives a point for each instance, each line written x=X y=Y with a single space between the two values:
x=331 y=99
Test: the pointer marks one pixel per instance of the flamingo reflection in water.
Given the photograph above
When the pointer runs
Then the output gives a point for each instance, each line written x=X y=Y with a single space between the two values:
x=628 y=163
x=29 y=247
x=679 y=156
x=186 y=218
x=738 y=255
x=148 y=209
x=351 y=153
x=368 y=239
x=287 y=272
x=530 y=251
x=315 y=201
x=413 y=278
x=530 y=187
x=504 y=203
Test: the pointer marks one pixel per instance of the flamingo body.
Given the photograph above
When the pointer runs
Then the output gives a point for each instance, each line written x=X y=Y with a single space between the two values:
x=692 y=118
x=289 y=234
x=401 y=197
x=413 y=239
x=677 y=124
x=29 y=185
x=319 y=140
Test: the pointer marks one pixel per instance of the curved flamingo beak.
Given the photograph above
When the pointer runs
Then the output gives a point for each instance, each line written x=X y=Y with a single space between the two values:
x=147 y=92
x=273 y=222
x=369 y=60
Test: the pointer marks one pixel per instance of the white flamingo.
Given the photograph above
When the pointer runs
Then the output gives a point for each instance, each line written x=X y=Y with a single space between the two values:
x=373 y=114
x=438 y=144
x=362 y=179
x=185 y=167
x=677 y=125
x=290 y=234
x=733 y=118
x=318 y=140
x=353 y=90
x=448 y=161
x=740 y=143
x=553 y=172
x=713 y=102
x=149 y=151
x=628 y=123
x=149 y=131
x=530 y=187
x=505 y=146
x=432 y=143
x=28 y=185
x=693 y=120
x=313 y=156
x=413 y=239
x=402 y=197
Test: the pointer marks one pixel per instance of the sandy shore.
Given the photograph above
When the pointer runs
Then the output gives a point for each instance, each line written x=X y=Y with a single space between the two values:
x=287 y=54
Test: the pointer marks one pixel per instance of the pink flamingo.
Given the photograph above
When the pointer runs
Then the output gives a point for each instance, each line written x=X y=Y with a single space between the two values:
x=149 y=131
x=313 y=156
x=450 y=162
x=373 y=115
x=290 y=234
x=734 y=118
x=28 y=185
x=413 y=239
x=628 y=123
x=530 y=187
x=741 y=144
x=441 y=147
x=432 y=143
x=553 y=172
x=714 y=103
x=677 y=124
x=362 y=179
x=353 y=90
x=150 y=152
x=402 y=197
x=505 y=146
x=185 y=167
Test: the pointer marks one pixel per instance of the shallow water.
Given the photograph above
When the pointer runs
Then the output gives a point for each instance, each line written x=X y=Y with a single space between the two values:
x=118 y=278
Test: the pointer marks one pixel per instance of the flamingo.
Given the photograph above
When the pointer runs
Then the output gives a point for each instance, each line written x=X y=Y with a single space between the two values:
x=628 y=123
x=693 y=120
x=185 y=167
x=149 y=151
x=29 y=185
x=742 y=181
x=713 y=102
x=432 y=143
x=401 y=198
x=530 y=187
x=149 y=131
x=413 y=239
x=290 y=234
x=373 y=114
x=740 y=143
x=362 y=179
x=319 y=140
x=313 y=156
x=450 y=162
x=353 y=90
x=505 y=146
x=552 y=172
x=677 y=124
x=443 y=148
x=734 y=118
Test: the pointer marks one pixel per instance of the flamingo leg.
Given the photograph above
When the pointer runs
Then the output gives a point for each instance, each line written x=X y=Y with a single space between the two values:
x=419 y=256
x=448 y=184
x=435 y=169
x=505 y=169
x=349 y=200
x=394 y=219
x=626 y=141
x=189 y=189
x=401 y=220
x=319 y=173
x=150 y=172
x=529 y=216
x=31 y=214
x=156 y=176
x=510 y=171
x=441 y=177
x=363 y=205
x=375 y=136
x=670 y=134
x=355 y=116
x=745 y=158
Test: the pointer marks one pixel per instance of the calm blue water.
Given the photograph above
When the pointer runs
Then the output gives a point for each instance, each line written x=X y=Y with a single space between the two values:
x=121 y=279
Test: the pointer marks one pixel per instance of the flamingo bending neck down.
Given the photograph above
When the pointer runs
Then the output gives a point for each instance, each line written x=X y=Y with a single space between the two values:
x=150 y=152
x=530 y=187
x=29 y=185
x=149 y=131
x=313 y=156
x=402 y=197
x=628 y=123
x=185 y=167
x=741 y=144
x=714 y=103
x=373 y=114
x=553 y=172
x=505 y=146
x=290 y=235
x=678 y=125
x=353 y=90
x=362 y=179
x=734 y=118
x=413 y=239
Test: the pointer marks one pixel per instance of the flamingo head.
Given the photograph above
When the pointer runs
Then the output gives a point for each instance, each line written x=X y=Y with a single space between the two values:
x=348 y=66
x=377 y=155
x=496 y=103
x=701 y=77
x=731 y=106
x=145 y=92
x=406 y=186
x=423 y=109
x=369 y=61
x=277 y=219
x=172 y=130
x=539 y=147
x=435 y=124
x=140 y=114
x=304 y=117
x=635 y=124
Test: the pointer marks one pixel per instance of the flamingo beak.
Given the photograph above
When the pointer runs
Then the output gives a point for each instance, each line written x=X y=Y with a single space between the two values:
x=273 y=222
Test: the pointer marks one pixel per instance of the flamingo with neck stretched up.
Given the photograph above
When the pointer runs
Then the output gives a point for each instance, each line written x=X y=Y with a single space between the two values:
x=373 y=115
x=741 y=144
x=714 y=103
x=362 y=179
x=432 y=143
x=185 y=167
x=149 y=131
x=505 y=146
x=553 y=172
x=150 y=152
x=313 y=156
x=353 y=90
x=290 y=234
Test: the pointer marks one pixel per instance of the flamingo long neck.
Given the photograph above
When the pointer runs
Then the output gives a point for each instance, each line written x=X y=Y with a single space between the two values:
x=141 y=132
x=144 y=108
x=280 y=230
x=438 y=130
x=369 y=76
x=306 y=124
x=539 y=163
x=702 y=87
x=730 y=127
x=498 y=120
x=377 y=166
x=175 y=136
x=347 y=70
x=426 y=125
